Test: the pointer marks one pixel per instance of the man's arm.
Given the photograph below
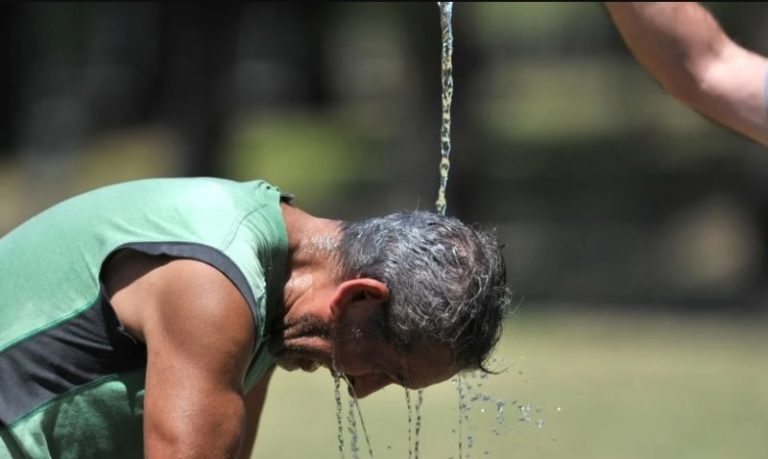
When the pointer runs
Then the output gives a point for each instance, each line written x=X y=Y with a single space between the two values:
x=685 y=49
x=199 y=335
x=254 y=404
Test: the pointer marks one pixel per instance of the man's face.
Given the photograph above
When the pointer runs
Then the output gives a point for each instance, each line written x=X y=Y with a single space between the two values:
x=371 y=363
x=359 y=352
x=303 y=344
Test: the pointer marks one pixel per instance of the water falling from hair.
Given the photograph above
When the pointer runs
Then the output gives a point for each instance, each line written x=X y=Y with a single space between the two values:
x=354 y=402
x=417 y=428
x=409 y=409
x=354 y=448
x=462 y=414
x=352 y=406
x=339 y=421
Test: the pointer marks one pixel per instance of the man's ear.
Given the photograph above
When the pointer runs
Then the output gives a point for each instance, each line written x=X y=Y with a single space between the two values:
x=358 y=298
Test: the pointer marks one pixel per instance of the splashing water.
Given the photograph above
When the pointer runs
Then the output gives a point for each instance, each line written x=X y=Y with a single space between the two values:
x=474 y=400
x=500 y=404
x=446 y=12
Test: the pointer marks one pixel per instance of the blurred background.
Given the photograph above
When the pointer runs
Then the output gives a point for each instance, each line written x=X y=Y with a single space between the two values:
x=635 y=230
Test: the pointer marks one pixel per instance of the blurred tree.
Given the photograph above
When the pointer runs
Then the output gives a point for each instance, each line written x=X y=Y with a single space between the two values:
x=198 y=42
x=558 y=135
x=10 y=78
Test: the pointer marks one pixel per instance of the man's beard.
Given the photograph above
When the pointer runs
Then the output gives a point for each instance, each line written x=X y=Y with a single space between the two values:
x=299 y=345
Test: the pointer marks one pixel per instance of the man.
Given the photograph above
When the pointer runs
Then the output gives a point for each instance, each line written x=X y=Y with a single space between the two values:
x=684 y=48
x=145 y=317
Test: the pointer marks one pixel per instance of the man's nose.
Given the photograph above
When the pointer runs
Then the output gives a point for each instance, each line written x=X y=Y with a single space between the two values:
x=368 y=384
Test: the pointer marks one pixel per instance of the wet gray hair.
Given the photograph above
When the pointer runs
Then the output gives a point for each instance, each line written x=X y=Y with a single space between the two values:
x=447 y=281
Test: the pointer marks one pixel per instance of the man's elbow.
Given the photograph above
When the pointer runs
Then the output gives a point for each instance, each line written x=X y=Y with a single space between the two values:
x=688 y=82
x=694 y=80
x=208 y=437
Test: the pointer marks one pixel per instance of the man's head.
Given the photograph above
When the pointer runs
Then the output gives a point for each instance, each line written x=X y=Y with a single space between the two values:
x=446 y=281
x=415 y=298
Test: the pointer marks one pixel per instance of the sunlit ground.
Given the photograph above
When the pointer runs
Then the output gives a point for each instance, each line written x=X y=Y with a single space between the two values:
x=604 y=386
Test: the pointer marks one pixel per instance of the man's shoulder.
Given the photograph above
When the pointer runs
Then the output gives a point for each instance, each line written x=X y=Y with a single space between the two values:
x=180 y=295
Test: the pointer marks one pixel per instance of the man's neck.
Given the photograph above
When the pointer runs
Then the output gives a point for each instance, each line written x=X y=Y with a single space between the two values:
x=312 y=244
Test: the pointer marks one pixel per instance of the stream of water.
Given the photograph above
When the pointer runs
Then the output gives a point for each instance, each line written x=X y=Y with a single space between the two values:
x=446 y=77
x=414 y=409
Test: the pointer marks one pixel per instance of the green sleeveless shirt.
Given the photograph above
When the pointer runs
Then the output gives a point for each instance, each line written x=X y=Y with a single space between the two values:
x=71 y=380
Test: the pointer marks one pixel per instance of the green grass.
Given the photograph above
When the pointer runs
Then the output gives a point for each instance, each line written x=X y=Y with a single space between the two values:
x=604 y=386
